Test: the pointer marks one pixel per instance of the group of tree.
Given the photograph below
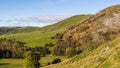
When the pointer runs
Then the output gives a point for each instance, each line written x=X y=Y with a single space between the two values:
x=11 y=48
x=70 y=44
x=66 y=47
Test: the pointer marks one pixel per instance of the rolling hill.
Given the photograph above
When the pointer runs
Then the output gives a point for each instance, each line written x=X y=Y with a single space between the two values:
x=40 y=36
x=98 y=39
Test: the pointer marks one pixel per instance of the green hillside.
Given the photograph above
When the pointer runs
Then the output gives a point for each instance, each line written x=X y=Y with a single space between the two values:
x=97 y=40
x=41 y=36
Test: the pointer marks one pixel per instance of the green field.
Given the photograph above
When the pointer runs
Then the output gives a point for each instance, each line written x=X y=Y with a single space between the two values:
x=11 y=63
x=40 y=36
x=18 y=63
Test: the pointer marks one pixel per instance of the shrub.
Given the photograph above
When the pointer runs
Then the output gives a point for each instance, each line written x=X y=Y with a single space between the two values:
x=57 y=60
x=48 y=63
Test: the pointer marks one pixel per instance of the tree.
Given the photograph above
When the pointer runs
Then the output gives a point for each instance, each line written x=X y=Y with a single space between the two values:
x=36 y=58
x=31 y=60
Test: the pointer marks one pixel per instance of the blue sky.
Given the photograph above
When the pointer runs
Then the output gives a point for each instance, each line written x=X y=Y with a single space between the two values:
x=44 y=12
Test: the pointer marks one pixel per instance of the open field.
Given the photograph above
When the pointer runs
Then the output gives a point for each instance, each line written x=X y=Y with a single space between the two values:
x=11 y=63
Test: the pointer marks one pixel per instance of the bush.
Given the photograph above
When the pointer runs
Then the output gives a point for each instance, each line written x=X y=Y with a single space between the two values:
x=48 y=63
x=57 y=60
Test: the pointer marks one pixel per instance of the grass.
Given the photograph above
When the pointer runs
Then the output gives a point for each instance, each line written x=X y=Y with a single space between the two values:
x=106 y=64
x=11 y=63
x=32 y=39
x=18 y=63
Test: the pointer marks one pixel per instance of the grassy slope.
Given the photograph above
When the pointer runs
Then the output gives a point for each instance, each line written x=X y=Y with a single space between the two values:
x=95 y=59
x=42 y=36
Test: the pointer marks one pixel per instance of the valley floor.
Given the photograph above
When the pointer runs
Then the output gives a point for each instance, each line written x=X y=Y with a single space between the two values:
x=18 y=63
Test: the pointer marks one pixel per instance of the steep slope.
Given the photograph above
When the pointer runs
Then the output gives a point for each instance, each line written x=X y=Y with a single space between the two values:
x=99 y=28
x=105 y=22
x=41 y=36
x=98 y=38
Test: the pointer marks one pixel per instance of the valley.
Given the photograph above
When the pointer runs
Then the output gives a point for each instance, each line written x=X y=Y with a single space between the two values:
x=80 y=37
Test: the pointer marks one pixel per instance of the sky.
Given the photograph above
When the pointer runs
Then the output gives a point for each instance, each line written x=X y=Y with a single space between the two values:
x=44 y=12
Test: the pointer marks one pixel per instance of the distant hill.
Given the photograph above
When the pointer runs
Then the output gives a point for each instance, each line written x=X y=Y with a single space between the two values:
x=97 y=39
x=4 y=30
x=24 y=29
x=12 y=30
x=40 y=36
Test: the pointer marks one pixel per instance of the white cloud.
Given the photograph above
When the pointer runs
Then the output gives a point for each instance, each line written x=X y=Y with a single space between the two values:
x=34 y=21
x=43 y=19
